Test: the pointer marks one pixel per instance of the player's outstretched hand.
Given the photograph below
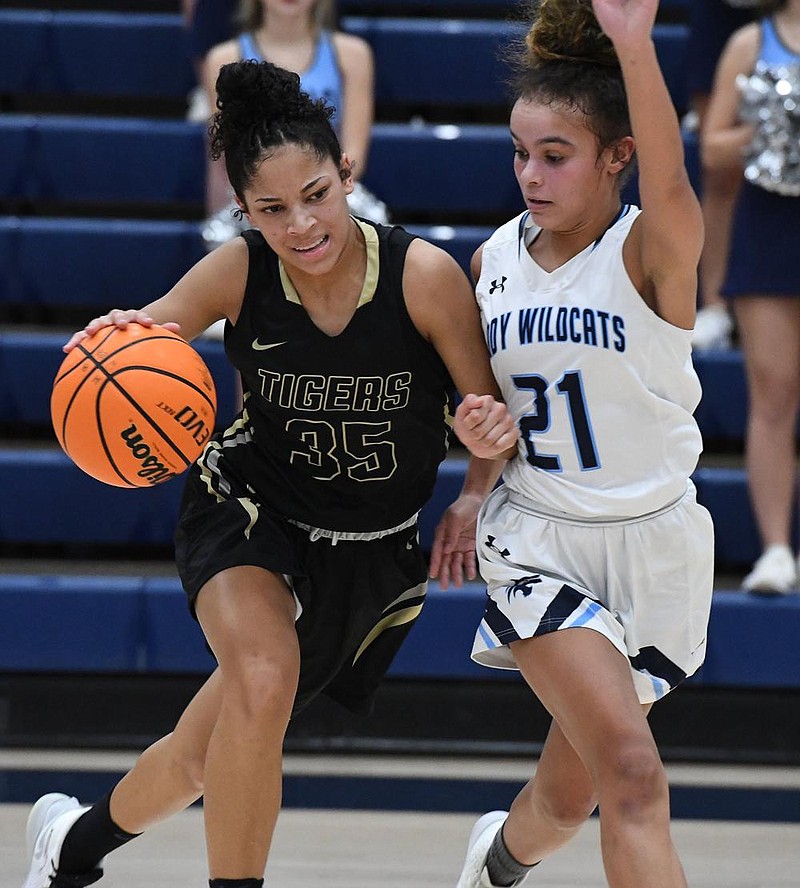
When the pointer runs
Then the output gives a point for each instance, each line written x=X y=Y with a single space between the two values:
x=453 y=551
x=485 y=427
x=626 y=22
x=117 y=317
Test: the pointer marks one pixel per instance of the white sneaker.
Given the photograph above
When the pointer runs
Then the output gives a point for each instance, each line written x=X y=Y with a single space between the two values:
x=474 y=874
x=775 y=572
x=48 y=824
x=713 y=327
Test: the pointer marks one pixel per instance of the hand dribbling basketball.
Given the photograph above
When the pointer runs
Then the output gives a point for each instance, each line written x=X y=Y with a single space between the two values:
x=133 y=403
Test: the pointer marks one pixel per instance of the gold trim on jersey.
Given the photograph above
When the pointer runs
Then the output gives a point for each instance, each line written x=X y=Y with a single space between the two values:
x=236 y=433
x=207 y=471
x=252 y=510
x=370 y=278
x=395 y=618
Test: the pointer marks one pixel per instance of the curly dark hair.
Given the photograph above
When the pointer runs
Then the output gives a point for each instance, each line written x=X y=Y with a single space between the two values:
x=260 y=107
x=566 y=60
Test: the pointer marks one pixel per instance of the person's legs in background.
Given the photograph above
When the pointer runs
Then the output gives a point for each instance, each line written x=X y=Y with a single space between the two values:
x=711 y=23
x=769 y=330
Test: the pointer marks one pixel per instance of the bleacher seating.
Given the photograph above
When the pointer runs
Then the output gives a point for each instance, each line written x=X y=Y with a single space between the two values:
x=435 y=177
x=91 y=53
x=28 y=365
x=30 y=360
x=419 y=169
x=94 y=53
x=50 y=481
x=491 y=8
x=52 y=263
x=141 y=625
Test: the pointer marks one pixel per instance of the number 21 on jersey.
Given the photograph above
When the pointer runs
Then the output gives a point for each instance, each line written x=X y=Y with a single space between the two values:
x=570 y=387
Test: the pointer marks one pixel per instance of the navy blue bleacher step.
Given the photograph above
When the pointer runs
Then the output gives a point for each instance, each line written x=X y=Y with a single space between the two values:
x=94 y=53
x=85 y=160
x=141 y=625
x=450 y=62
x=722 y=412
x=51 y=485
x=43 y=264
x=101 y=160
x=94 y=264
x=414 y=168
x=497 y=8
x=29 y=363
x=97 y=264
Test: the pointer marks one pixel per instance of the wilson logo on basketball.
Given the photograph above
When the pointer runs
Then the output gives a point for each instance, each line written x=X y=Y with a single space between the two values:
x=153 y=470
x=198 y=429
x=138 y=379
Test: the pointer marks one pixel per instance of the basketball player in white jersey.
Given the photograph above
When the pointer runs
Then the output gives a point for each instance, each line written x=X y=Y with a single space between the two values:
x=597 y=557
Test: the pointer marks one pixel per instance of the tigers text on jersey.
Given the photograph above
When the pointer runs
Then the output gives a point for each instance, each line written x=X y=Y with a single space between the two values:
x=602 y=388
x=342 y=432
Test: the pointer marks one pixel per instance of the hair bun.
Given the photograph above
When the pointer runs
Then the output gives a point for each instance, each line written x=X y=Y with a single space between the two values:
x=567 y=30
x=248 y=90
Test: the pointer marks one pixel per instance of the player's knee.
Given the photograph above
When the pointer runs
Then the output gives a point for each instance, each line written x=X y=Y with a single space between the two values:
x=262 y=689
x=567 y=812
x=635 y=783
x=779 y=396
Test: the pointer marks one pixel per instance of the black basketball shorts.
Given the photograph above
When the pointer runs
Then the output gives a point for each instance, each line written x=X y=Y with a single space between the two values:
x=357 y=598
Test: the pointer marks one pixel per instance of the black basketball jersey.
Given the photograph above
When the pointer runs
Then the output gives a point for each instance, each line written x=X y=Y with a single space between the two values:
x=338 y=432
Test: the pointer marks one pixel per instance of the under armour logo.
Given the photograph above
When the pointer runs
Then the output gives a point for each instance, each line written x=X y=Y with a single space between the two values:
x=490 y=543
x=501 y=286
x=523 y=585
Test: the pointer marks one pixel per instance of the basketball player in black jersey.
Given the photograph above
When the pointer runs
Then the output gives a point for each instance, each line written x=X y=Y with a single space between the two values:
x=297 y=542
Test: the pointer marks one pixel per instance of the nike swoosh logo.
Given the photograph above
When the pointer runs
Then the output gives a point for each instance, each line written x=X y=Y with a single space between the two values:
x=259 y=347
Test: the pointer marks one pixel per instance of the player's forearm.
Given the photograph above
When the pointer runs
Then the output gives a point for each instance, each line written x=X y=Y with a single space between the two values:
x=482 y=475
x=659 y=143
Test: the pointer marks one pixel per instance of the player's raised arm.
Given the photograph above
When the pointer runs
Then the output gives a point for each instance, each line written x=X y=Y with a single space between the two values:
x=671 y=236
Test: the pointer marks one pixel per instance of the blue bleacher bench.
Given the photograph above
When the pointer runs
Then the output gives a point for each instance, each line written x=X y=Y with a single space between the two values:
x=441 y=7
x=452 y=62
x=440 y=61
x=443 y=168
x=51 y=485
x=139 y=625
x=97 y=264
x=28 y=365
x=29 y=362
x=94 y=53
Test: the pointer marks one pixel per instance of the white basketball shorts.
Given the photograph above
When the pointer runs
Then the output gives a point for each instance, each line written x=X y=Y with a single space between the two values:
x=645 y=584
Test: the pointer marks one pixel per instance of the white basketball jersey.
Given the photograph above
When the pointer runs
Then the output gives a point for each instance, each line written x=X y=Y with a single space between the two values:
x=602 y=388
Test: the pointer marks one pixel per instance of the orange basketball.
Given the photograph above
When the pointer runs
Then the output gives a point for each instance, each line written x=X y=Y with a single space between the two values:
x=133 y=407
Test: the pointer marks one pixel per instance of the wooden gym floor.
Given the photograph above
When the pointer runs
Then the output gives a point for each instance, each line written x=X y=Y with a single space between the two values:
x=317 y=847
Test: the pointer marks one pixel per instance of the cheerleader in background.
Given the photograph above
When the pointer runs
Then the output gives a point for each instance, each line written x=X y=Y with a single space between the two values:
x=753 y=126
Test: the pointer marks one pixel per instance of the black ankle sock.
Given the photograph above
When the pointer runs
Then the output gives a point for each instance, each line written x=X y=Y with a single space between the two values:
x=91 y=837
x=235 y=883
x=81 y=881
x=503 y=868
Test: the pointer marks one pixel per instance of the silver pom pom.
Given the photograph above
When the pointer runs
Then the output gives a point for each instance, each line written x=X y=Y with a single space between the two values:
x=770 y=101
x=362 y=202
x=224 y=225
